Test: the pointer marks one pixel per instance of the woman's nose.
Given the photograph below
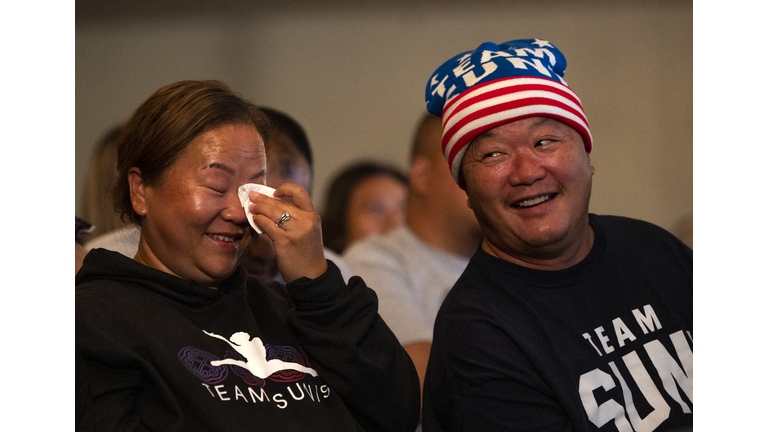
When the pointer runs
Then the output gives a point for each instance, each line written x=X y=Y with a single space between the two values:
x=234 y=211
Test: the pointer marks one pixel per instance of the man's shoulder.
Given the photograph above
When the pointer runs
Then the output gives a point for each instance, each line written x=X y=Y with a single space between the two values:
x=615 y=220
x=628 y=227
x=638 y=238
x=397 y=243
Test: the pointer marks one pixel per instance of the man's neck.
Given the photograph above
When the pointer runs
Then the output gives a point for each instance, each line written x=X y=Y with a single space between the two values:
x=547 y=258
x=448 y=239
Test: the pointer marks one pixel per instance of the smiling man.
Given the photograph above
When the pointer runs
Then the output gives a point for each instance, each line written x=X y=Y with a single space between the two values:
x=563 y=320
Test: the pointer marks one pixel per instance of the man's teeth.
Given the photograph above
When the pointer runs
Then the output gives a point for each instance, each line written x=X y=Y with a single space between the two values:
x=533 y=202
x=223 y=238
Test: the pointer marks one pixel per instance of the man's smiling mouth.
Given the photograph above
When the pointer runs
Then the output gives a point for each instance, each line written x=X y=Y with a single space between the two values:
x=533 y=201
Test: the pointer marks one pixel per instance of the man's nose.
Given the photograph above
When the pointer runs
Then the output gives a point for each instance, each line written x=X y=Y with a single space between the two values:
x=526 y=168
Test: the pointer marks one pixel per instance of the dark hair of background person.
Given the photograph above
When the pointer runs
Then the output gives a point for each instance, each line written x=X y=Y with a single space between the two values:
x=99 y=181
x=162 y=127
x=338 y=196
x=284 y=124
x=81 y=227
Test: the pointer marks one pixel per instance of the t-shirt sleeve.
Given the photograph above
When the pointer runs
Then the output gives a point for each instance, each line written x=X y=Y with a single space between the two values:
x=494 y=388
x=505 y=406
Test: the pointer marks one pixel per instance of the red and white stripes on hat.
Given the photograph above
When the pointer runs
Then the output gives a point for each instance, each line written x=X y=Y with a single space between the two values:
x=495 y=103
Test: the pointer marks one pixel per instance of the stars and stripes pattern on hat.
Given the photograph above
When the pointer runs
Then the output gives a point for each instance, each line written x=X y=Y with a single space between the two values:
x=509 y=90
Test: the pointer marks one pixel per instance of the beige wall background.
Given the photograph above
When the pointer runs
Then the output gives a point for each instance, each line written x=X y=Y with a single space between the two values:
x=353 y=74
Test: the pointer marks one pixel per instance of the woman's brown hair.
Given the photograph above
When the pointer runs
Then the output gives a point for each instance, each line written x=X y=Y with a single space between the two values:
x=162 y=127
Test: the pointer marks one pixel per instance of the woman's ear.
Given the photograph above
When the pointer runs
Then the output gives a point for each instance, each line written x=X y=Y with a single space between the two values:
x=138 y=191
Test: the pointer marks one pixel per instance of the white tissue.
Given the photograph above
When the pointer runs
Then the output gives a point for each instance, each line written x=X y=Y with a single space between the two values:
x=245 y=190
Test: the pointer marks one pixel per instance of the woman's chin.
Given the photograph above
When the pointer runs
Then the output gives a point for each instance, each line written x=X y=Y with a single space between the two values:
x=214 y=275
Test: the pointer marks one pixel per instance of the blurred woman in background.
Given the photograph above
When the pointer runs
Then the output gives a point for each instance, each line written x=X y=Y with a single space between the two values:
x=363 y=199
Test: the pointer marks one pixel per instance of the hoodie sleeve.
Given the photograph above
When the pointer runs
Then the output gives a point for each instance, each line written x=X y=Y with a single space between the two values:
x=356 y=353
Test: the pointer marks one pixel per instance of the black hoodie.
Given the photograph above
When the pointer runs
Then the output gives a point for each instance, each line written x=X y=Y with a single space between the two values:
x=156 y=352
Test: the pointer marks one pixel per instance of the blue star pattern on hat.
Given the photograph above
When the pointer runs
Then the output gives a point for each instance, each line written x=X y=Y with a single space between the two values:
x=523 y=58
x=495 y=84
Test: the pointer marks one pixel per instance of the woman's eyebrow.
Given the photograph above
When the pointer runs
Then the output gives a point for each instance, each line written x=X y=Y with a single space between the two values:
x=261 y=173
x=231 y=171
x=222 y=167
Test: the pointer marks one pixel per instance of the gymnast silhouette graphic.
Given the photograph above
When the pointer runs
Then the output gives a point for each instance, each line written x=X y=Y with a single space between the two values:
x=256 y=356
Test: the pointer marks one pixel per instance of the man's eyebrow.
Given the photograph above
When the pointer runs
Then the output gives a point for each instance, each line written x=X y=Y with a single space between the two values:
x=545 y=120
x=488 y=133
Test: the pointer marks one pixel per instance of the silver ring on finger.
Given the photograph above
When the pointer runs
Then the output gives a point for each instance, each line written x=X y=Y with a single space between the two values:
x=283 y=219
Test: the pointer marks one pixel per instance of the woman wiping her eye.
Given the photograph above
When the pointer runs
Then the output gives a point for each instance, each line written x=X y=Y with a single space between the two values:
x=180 y=339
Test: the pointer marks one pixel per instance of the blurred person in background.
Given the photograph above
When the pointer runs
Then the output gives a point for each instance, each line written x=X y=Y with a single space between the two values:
x=683 y=230
x=81 y=229
x=363 y=199
x=110 y=231
x=413 y=267
x=96 y=206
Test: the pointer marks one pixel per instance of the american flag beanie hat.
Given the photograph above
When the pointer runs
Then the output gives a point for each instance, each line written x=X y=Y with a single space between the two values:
x=496 y=84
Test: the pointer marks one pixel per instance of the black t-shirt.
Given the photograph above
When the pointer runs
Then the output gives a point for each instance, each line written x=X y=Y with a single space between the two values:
x=604 y=345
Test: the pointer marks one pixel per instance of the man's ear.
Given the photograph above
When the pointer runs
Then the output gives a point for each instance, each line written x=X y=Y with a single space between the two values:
x=419 y=175
x=138 y=191
x=591 y=167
